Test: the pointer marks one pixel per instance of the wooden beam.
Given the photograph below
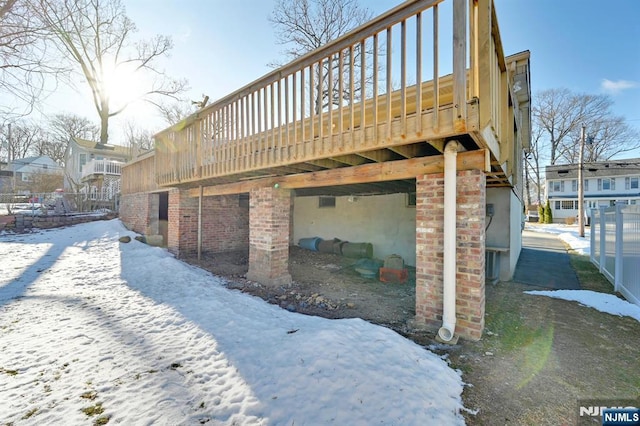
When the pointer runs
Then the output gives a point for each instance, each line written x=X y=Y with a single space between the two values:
x=379 y=155
x=350 y=159
x=366 y=173
x=407 y=151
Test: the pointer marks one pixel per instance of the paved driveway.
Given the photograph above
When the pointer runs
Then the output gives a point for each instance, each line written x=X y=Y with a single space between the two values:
x=544 y=262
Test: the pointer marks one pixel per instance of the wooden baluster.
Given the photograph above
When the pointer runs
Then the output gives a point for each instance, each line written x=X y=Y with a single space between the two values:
x=403 y=77
x=312 y=111
x=285 y=125
x=294 y=142
x=363 y=89
x=419 y=74
x=340 y=97
x=375 y=87
x=389 y=76
x=352 y=88
x=436 y=73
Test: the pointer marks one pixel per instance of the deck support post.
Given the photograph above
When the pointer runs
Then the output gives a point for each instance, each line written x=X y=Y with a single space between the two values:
x=269 y=216
x=470 y=252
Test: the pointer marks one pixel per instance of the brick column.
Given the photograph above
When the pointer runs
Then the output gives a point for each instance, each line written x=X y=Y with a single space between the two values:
x=269 y=213
x=470 y=259
x=183 y=223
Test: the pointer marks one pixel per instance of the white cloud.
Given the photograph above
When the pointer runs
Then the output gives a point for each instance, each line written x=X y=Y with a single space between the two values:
x=617 y=86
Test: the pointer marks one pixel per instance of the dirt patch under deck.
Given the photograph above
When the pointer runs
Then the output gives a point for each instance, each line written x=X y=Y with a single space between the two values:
x=537 y=358
x=325 y=285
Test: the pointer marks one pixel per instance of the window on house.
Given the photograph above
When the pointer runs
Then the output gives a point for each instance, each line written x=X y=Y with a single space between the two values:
x=567 y=205
x=633 y=202
x=326 y=202
x=574 y=185
x=82 y=162
x=586 y=184
x=631 y=183
x=556 y=205
x=557 y=186
x=612 y=203
x=606 y=184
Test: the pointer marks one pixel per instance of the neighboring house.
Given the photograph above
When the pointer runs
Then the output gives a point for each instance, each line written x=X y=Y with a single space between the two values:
x=35 y=174
x=93 y=168
x=428 y=171
x=605 y=184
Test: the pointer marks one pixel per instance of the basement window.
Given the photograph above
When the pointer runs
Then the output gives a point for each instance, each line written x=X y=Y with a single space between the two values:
x=326 y=202
x=411 y=199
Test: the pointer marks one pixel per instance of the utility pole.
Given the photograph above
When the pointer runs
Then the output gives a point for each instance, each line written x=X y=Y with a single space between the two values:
x=581 y=184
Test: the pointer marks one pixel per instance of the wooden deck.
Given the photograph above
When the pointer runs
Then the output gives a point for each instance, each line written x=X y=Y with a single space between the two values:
x=350 y=105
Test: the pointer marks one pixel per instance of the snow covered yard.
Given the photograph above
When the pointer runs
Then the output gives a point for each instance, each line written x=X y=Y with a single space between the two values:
x=93 y=330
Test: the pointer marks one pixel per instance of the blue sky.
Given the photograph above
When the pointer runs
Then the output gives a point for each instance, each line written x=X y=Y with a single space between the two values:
x=586 y=46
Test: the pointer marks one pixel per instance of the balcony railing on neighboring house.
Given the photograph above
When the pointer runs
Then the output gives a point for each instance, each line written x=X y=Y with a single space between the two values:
x=392 y=82
x=101 y=167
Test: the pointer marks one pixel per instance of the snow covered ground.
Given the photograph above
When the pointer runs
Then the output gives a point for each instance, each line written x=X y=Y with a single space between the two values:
x=602 y=302
x=125 y=330
x=607 y=303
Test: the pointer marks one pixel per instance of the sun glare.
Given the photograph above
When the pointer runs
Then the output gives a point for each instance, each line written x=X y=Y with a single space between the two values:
x=124 y=85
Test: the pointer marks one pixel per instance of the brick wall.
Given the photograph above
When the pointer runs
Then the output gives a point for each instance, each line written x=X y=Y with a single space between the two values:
x=225 y=224
x=182 y=236
x=269 y=222
x=470 y=269
x=136 y=211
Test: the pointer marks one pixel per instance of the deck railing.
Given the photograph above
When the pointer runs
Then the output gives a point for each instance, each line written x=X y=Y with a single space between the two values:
x=139 y=175
x=389 y=82
x=102 y=167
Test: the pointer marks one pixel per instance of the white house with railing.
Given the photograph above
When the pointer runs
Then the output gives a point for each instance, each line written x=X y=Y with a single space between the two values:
x=605 y=184
x=94 y=169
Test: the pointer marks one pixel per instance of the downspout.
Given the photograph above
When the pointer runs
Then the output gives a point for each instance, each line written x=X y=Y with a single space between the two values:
x=448 y=328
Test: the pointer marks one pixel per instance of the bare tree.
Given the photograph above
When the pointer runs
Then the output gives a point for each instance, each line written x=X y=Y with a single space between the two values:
x=608 y=136
x=25 y=63
x=534 y=161
x=306 y=25
x=137 y=139
x=23 y=139
x=97 y=36
x=173 y=112
x=558 y=115
x=64 y=126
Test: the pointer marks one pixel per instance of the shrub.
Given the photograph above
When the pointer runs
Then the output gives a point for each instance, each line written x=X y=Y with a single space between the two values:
x=540 y=213
x=548 y=216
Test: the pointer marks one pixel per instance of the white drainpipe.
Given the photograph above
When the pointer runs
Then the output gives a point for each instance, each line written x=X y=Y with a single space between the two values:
x=448 y=328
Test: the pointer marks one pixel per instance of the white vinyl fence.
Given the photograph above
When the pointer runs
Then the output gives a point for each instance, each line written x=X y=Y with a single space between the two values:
x=615 y=247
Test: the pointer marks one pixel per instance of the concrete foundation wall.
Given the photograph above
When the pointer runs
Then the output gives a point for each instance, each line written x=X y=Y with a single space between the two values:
x=382 y=220
x=517 y=223
x=508 y=210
